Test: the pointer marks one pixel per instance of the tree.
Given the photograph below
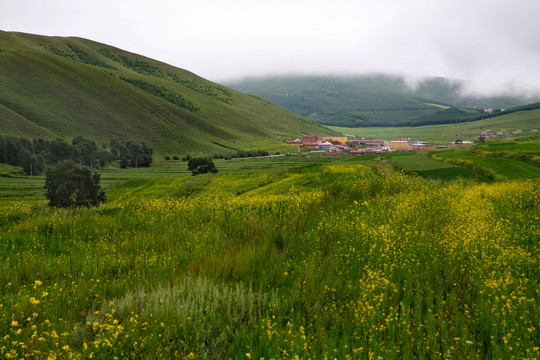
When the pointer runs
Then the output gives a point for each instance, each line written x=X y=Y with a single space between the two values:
x=84 y=151
x=201 y=166
x=59 y=150
x=104 y=157
x=72 y=185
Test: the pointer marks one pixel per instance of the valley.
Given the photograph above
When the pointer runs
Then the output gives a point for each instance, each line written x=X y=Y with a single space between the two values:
x=307 y=254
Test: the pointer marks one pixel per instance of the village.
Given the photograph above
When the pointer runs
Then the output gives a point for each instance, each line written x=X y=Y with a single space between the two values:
x=343 y=145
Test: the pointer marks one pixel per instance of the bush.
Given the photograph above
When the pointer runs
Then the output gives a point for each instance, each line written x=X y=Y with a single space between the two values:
x=72 y=185
x=201 y=166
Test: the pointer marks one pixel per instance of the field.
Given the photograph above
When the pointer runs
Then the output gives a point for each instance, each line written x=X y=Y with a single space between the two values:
x=443 y=134
x=292 y=257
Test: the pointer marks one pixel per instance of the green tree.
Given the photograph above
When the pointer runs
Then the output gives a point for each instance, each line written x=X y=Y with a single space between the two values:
x=59 y=150
x=201 y=165
x=72 y=185
x=104 y=157
x=84 y=151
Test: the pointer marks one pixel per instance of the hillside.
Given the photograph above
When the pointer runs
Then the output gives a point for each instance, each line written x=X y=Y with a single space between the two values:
x=63 y=87
x=374 y=100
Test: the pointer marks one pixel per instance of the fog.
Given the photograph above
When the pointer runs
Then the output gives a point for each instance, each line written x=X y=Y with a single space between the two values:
x=492 y=44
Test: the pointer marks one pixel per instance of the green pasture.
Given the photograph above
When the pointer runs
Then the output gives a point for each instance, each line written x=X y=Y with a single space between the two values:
x=508 y=168
x=443 y=134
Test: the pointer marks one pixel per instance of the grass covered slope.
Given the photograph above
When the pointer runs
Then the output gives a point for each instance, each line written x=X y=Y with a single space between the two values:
x=65 y=87
x=337 y=262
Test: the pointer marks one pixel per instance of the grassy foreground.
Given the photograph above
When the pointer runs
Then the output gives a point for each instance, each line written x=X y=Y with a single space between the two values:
x=322 y=261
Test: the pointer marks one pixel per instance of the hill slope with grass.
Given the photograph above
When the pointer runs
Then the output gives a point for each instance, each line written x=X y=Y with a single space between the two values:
x=375 y=100
x=63 y=87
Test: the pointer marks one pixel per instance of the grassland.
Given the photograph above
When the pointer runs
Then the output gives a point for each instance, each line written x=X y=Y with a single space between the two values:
x=276 y=258
x=64 y=87
x=525 y=120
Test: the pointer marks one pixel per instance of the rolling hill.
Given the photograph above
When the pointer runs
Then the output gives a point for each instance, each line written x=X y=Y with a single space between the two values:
x=64 y=87
x=374 y=100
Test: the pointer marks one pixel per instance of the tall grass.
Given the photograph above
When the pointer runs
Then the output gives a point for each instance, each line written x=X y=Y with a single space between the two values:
x=340 y=263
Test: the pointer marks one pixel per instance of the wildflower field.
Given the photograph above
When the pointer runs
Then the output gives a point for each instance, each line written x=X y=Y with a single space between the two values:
x=334 y=260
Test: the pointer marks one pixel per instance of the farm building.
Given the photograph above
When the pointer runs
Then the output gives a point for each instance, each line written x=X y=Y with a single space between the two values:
x=399 y=144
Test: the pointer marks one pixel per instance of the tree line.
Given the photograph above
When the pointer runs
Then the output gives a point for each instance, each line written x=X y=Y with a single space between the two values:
x=34 y=155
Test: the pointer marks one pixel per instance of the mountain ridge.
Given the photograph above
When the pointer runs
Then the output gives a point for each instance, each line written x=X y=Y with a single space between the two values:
x=375 y=99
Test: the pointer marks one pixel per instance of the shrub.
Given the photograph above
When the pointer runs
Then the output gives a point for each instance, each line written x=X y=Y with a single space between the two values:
x=72 y=185
x=201 y=166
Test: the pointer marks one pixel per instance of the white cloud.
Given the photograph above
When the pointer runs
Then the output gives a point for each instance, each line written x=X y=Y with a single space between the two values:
x=493 y=43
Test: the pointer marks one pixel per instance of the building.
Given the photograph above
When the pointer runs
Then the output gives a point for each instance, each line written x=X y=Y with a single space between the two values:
x=325 y=146
x=419 y=145
x=368 y=143
x=309 y=139
x=335 y=139
x=400 y=145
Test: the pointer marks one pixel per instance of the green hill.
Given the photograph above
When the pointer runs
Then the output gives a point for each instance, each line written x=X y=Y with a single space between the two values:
x=63 y=87
x=374 y=100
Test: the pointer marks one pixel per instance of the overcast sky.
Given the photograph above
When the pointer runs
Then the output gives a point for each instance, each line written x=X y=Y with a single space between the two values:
x=493 y=43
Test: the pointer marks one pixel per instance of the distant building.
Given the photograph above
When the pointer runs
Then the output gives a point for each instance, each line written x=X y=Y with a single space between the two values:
x=325 y=146
x=419 y=145
x=368 y=143
x=399 y=144
x=335 y=139
x=487 y=133
x=309 y=138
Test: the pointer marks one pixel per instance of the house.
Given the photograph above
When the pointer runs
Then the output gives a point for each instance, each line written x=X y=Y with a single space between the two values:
x=400 y=144
x=325 y=146
x=309 y=139
x=419 y=145
x=335 y=139
x=368 y=143
x=311 y=145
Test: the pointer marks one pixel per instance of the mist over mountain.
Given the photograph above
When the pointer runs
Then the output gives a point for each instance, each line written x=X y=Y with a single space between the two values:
x=378 y=99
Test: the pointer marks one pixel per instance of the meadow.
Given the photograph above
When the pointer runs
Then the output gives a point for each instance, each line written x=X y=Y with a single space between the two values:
x=298 y=258
x=443 y=134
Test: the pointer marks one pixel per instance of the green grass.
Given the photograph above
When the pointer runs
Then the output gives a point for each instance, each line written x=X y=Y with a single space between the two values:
x=428 y=168
x=329 y=259
x=508 y=168
x=451 y=173
x=443 y=134
x=419 y=162
x=70 y=96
